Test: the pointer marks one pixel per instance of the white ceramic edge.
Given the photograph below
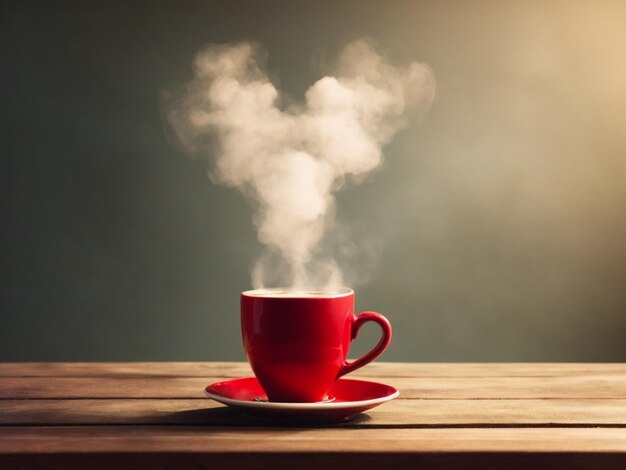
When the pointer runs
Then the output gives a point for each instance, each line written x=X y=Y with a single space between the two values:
x=329 y=294
x=300 y=406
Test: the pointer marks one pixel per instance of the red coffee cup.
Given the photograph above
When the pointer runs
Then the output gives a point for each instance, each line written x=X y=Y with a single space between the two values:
x=297 y=342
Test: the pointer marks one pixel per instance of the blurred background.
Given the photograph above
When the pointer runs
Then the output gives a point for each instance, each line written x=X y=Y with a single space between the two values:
x=497 y=225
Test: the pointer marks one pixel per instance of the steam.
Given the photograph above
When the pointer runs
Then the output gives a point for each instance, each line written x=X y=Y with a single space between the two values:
x=291 y=159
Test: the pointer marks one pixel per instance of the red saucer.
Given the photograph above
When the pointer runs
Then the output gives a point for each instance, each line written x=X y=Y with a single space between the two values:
x=347 y=398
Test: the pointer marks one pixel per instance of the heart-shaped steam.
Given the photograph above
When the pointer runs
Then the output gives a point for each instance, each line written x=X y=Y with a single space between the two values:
x=290 y=159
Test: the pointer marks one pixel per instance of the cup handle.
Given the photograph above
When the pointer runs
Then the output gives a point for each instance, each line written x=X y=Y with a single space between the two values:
x=377 y=350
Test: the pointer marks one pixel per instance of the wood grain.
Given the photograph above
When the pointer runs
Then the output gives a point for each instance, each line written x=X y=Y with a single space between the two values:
x=246 y=439
x=579 y=386
x=398 y=413
x=241 y=369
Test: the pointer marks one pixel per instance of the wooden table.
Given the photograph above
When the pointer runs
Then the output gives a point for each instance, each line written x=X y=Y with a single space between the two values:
x=153 y=415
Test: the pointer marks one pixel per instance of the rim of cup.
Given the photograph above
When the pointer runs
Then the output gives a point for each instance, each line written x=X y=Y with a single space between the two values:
x=291 y=293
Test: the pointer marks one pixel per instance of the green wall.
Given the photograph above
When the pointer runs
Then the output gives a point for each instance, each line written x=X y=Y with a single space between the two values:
x=496 y=226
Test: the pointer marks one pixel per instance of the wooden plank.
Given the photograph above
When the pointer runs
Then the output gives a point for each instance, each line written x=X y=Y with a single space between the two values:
x=241 y=369
x=609 y=386
x=314 y=460
x=125 y=369
x=398 y=413
x=103 y=387
x=15 y=440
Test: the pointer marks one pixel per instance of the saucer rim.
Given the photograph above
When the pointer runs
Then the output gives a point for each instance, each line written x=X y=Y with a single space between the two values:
x=301 y=406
